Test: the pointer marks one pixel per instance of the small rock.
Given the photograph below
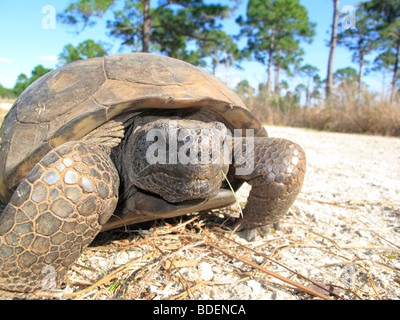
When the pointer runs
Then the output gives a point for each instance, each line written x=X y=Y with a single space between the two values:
x=255 y=287
x=122 y=258
x=205 y=271
x=259 y=259
x=362 y=233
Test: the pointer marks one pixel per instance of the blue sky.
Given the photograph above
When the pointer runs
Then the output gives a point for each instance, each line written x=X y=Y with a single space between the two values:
x=24 y=43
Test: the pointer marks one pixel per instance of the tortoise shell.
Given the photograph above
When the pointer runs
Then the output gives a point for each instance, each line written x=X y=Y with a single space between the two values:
x=69 y=102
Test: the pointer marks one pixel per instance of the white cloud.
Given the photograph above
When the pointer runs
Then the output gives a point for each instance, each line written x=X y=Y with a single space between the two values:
x=5 y=60
x=49 y=58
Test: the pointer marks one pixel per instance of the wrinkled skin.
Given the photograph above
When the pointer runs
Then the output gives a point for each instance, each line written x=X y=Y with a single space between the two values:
x=177 y=178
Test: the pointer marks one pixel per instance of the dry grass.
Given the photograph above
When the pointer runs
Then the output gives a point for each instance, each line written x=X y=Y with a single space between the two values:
x=345 y=112
x=174 y=249
x=368 y=118
x=165 y=257
x=2 y=115
x=168 y=256
x=6 y=100
x=3 y=112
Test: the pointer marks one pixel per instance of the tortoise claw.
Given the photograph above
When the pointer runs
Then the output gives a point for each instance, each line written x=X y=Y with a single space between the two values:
x=250 y=233
x=277 y=225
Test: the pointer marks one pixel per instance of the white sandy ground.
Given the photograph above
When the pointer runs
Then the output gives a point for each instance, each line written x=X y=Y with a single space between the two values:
x=5 y=105
x=343 y=232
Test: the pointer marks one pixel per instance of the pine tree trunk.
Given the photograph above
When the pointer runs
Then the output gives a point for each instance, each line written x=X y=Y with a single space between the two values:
x=277 y=75
x=395 y=71
x=360 y=72
x=215 y=61
x=146 y=25
x=383 y=96
x=308 y=92
x=270 y=60
x=269 y=71
x=329 y=79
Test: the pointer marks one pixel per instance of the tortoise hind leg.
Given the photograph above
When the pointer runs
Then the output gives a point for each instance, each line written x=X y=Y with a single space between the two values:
x=54 y=214
x=276 y=180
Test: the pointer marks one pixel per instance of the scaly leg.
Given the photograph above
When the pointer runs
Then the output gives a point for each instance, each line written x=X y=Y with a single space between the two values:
x=276 y=179
x=54 y=215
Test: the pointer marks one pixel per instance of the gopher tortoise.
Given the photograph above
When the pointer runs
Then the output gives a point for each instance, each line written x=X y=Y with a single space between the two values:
x=111 y=141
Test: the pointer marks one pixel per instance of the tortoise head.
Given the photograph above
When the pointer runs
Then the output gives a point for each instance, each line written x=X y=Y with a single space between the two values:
x=179 y=159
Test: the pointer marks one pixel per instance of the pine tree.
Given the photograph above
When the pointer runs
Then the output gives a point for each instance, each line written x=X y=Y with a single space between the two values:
x=332 y=45
x=183 y=29
x=85 y=50
x=387 y=16
x=274 y=29
x=361 y=40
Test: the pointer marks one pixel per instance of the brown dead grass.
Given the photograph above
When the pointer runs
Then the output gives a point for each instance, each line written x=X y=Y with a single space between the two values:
x=2 y=115
x=174 y=246
x=183 y=244
x=3 y=112
x=368 y=118
x=347 y=111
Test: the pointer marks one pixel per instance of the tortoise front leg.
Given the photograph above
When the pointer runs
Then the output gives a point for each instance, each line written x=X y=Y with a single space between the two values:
x=276 y=179
x=54 y=214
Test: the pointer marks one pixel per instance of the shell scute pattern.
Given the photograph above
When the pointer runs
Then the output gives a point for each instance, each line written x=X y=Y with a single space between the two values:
x=60 y=206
